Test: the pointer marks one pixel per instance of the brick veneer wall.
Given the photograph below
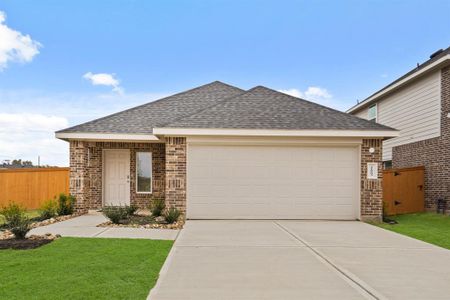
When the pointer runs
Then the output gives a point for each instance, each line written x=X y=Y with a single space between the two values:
x=433 y=154
x=371 y=189
x=79 y=177
x=176 y=152
x=86 y=165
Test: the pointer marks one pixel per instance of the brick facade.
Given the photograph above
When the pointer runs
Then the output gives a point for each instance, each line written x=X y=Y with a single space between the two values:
x=86 y=169
x=433 y=154
x=79 y=175
x=176 y=152
x=371 y=189
x=169 y=174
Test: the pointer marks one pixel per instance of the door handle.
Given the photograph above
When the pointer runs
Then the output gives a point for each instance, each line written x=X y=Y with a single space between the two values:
x=397 y=202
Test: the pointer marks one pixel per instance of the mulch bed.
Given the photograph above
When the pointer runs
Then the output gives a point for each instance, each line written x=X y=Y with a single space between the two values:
x=32 y=242
x=143 y=221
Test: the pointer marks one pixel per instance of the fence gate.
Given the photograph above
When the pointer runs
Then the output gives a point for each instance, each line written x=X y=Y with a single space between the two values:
x=403 y=190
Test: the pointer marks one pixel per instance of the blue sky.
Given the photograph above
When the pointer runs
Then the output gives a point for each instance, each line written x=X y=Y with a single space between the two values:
x=332 y=52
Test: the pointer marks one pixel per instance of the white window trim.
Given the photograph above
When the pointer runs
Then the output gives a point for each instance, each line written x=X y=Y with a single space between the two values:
x=376 y=112
x=151 y=173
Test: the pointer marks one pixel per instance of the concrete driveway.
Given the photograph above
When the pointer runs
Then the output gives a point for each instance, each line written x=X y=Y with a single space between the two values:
x=300 y=260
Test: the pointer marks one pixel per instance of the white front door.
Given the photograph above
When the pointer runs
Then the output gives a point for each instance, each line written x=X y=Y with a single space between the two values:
x=116 y=177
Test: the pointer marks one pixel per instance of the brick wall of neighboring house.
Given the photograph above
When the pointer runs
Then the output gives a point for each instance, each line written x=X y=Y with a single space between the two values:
x=371 y=189
x=86 y=165
x=433 y=154
x=176 y=153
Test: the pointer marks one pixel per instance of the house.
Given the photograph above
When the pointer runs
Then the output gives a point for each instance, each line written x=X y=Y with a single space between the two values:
x=418 y=104
x=220 y=152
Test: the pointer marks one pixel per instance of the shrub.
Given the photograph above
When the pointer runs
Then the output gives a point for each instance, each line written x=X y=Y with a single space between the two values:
x=20 y=227
x=16 y=220
x=115 y=213
x=131 y=210
x=65 y=204
x=157 y=207
x=172 y=215
x=13 y=213
x=48 y=209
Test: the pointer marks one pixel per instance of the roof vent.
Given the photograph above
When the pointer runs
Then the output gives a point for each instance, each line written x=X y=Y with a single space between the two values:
x=436 y=53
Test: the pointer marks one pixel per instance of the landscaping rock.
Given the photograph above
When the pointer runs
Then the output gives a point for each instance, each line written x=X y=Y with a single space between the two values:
x=160 y=219
x=54 y=220
x=145 y=222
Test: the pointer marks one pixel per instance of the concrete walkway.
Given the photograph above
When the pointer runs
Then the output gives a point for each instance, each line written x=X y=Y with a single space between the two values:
x=300 y=260
x=86 y=226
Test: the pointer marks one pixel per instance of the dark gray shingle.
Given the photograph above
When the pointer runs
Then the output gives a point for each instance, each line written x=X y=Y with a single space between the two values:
x=142 y=119
x=263 y=108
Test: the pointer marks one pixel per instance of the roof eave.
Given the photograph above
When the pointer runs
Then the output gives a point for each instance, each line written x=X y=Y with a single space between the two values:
x=437 y=64
x=107 y=137
x=275 y=132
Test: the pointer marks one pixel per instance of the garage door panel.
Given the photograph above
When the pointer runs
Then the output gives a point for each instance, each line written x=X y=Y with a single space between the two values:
x=250 y=190
x=266 y=182
x=205 y=190
x=250 y=172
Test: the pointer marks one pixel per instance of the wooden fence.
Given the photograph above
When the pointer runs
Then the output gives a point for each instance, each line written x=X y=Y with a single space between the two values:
x=403 y=190
x=31 y=187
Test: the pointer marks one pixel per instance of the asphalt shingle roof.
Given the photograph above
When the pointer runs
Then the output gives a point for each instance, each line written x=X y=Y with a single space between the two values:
x=263 y=108
x=218 y=105
x=143 y=118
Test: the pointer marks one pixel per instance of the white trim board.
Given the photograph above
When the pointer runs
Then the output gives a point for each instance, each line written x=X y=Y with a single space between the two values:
x=145 y=138
x=274 y=132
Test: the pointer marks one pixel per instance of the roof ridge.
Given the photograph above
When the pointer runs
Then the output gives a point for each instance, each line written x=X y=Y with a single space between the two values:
x=151 y=103
x=208 y=107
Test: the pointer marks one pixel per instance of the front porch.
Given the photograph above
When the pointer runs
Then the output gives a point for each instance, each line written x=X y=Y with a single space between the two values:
x=89 y=173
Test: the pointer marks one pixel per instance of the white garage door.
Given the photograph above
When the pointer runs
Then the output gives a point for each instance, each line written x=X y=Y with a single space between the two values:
x=267 y=182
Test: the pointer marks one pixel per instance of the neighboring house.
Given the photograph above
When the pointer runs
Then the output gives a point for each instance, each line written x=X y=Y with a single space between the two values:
x=219 y=152
x=418 y=104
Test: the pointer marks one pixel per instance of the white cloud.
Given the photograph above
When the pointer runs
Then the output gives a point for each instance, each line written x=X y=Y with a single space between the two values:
x=313 y=93
x=104 y=79
x=15 y=46
x=29 y=119
x=293 y=92
x=318 y=95
x=27 y=135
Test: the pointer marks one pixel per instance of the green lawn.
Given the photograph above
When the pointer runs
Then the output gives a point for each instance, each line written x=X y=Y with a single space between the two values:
x=83 y=268
x=31 y=214
x=428 y=227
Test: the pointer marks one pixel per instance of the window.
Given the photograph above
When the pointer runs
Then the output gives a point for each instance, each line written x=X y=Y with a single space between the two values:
x=372 y=113
x=144 y=172
x=387 y=164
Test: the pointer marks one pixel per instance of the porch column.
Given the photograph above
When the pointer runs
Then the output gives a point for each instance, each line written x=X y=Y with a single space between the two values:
x=175 y=192
x=79 y=177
